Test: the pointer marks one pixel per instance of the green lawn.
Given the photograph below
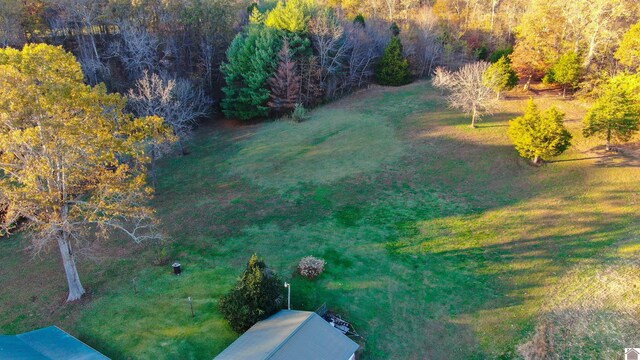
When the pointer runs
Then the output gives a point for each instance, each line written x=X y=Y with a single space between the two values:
x=440 y=242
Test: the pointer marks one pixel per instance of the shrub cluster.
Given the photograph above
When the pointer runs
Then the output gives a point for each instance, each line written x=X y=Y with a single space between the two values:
x=299 y=114
x=311 y=267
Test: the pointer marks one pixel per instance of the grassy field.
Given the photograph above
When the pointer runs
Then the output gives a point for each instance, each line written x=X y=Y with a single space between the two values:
x=440 y=242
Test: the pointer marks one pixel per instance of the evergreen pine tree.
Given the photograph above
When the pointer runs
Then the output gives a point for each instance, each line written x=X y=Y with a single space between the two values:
x=256 y=296
x=567 y=71
x=285 y=84
x=539 y=135
x=251 y=62
x=393 y=68
x=292 y=16
x=615 y=116
x=255 y=16
x=500 y=53
x=500 y=76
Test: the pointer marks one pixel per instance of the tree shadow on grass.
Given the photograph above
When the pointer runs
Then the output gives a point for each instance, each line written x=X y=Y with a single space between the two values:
x=577 y=159
x=423 y=266
x=408 y=293
x=492 y=126
x=406 y=298
x=491 y=283
x=499 y=117
x=619 y=160
x=468 y=181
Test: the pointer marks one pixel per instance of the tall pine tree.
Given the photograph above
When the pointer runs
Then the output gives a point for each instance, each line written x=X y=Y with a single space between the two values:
x=285 y=84
x=292 y=16
x=567 y=71
x=500 y=76
x=393 y=68
x=251 y=61
x=256 y=296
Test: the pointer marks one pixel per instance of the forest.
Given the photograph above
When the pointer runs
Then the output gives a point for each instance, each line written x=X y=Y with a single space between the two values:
x=260 y=60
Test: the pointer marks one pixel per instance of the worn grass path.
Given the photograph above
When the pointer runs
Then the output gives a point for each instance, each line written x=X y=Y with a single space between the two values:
x=440 y=242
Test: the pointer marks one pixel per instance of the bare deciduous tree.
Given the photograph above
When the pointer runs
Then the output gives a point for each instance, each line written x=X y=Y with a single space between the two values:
x=137 y=49
x=311 y=88
x=328 y=40
x=207 y=61
x=84 y=16
x=176 y=100
x=423 y=46
x=468 y=90
x=366 y=45
x=11 y=30
x=190 y=104
x=442 y=79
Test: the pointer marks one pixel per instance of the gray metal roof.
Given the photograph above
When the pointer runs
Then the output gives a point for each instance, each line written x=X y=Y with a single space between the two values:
x=50 y=343
x=290 y=335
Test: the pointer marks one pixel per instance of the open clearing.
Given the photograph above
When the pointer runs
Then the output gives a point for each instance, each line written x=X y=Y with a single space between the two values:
x=440 y=242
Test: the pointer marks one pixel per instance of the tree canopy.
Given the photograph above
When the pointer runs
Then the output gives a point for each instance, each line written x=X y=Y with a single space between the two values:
x=393 y=68
x=500 y=76
x=292 y=16
x=614 y=117
x=539 y=135
x=629 y=51
x=72 y=160
x=539 y=39
x=256 y=296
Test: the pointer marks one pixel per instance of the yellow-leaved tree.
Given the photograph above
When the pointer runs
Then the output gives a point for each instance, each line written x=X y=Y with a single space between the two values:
x=72 y=162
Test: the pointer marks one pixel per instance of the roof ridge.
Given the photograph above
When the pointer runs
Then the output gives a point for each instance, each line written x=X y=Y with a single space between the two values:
x=290 y=335
x=19 y=337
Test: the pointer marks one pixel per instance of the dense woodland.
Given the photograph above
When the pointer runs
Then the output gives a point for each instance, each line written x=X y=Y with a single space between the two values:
x=255 y=60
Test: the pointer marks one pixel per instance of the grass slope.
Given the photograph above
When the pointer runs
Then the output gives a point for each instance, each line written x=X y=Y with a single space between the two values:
x=440 y=242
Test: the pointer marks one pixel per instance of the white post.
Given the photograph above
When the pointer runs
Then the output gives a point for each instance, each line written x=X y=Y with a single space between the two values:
x=288 y=286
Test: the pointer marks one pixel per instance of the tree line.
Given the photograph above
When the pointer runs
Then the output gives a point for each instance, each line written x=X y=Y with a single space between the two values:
x=614 y=115
x=334 y=46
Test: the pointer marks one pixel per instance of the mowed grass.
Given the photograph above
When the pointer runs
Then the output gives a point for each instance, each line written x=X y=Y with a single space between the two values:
x=338 y=143
x=440 y=242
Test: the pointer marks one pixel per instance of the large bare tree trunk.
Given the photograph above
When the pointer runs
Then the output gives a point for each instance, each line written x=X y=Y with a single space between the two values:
x=592 y=47
x=494 y=5
x=526 y=86
x=183 y=150
x=68 y=260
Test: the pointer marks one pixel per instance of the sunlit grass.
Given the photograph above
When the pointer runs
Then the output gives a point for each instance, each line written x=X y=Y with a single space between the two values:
x=440 y=242
x=331 y=145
